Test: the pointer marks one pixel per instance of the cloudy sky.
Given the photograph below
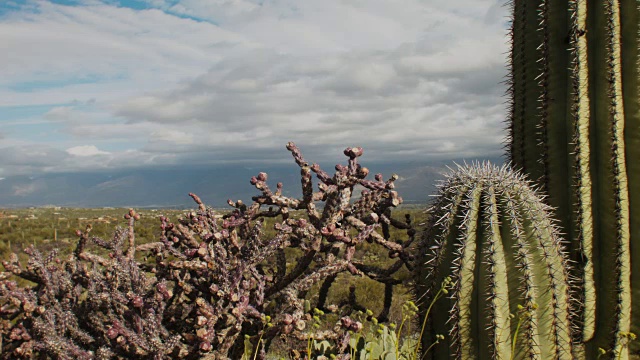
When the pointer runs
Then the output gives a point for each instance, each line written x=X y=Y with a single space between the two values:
x=91 y=85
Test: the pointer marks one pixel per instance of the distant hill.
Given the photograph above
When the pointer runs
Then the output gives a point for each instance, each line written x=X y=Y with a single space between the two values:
x=165 y=188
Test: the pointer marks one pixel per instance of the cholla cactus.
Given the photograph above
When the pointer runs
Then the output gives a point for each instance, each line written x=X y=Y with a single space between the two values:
x=210 y=279
x=492 y=240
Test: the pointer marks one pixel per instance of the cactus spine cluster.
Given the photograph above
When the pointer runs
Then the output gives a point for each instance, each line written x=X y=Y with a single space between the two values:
x=574 y=127
x=493 y=236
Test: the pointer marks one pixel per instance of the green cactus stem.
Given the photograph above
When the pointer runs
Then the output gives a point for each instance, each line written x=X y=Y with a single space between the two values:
x=493 y=236
x=574 y=127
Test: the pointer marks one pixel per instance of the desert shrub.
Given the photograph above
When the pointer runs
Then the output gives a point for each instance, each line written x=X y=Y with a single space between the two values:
x=211 y=283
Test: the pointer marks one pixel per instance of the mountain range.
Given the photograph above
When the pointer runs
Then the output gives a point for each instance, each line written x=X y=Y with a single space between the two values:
x=169 y=187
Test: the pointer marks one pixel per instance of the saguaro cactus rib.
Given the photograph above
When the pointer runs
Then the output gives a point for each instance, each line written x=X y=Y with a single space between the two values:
x=524 y=84
x=501 y=252
x=630 y=61
x=582 y=234
x=464 y=275
x=524 y=286
x=493 y=273
x=610 y=191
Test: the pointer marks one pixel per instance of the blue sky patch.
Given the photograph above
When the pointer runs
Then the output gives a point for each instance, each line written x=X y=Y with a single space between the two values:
x=9 y=113
x=31 y=86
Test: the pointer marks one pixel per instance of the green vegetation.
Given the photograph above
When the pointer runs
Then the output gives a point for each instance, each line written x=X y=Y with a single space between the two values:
x=55 y=228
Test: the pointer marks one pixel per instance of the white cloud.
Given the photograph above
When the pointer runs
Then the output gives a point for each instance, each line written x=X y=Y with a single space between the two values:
x=415 y=80
x=86 y=150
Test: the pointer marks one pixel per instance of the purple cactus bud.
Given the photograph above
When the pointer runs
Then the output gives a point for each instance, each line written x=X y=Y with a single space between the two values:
x=137 y=301
x=353 y=152
x=78 y=233
x=253 y=180
x=112 y=333
x=355 y=326
x=288 y=319
x=11 y=285
x=374 y=217
x=162 y=287
x=346 y=322
x=262 y=176
x=302 y=222
x=379 y=177
x=121 y=340
x=363 y=172
x=205 y=346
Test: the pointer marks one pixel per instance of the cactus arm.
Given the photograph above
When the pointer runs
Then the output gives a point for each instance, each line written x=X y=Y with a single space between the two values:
x=586 y=151
x=505 y=253
x=629 y=28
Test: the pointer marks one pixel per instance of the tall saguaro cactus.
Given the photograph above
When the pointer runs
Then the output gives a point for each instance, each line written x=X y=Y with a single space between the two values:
x=493 y=236
x=574 y=127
